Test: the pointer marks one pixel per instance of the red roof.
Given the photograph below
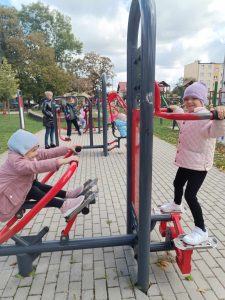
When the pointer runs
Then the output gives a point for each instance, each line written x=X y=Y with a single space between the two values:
x=122 y=87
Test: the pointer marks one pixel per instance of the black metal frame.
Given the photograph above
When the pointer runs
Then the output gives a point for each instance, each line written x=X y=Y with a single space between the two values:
x=138 y=232
x=91 y=145
x=142 y=12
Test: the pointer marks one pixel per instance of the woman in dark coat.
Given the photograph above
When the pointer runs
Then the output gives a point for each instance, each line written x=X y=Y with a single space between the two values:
x=48 y=121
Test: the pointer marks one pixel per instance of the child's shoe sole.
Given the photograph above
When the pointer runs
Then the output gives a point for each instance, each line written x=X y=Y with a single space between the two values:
x=88 y=185
x=89 y=197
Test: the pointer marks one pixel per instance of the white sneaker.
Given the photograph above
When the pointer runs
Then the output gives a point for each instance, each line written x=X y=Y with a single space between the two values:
x=171 y=207
x=196 y=237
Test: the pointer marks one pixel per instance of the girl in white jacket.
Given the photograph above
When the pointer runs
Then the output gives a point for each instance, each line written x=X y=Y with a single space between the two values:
x=194 y=157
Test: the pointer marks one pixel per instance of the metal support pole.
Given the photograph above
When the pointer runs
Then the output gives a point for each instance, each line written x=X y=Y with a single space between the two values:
x=82 y=243
x=98 y=108
x=104 y=115
x=143 y=10
x=21 y=109
x=55 y=123
x=215 y=93
x=90 y=120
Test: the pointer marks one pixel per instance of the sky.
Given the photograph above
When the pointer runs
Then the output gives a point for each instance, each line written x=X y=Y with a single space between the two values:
x=186 y=31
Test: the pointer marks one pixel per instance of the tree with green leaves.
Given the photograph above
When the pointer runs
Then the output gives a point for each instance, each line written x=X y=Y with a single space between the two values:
x=37 y=68
x=10 y=29
x=91 y=67
x=8 y=82
x=180 y=85
x=55 y=27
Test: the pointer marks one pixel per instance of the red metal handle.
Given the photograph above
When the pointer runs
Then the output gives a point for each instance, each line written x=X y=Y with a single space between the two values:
x=162 y=112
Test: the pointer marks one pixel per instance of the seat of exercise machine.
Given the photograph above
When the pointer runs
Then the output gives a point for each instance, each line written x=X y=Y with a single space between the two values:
x=114 y=128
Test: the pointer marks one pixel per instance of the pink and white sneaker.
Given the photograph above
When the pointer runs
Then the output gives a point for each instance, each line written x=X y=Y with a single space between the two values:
x=70 y=205
x=75 y=193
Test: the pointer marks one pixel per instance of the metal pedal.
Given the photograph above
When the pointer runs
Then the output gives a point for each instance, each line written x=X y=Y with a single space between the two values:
x=89 y=198
x=88 y=185
x=157 y=211
x=179 y=243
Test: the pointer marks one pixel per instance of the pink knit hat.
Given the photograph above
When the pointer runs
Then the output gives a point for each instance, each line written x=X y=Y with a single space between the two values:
x=197 y=90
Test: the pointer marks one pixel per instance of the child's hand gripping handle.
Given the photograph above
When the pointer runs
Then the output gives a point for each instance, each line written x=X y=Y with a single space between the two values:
x=78 y=149
x=214 y=115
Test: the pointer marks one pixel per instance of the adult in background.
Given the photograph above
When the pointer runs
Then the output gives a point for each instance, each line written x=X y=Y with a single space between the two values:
x=71 y=116
x=48 y=121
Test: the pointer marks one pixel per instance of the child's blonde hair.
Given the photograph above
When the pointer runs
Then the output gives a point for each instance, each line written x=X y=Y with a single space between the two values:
x=49 y=93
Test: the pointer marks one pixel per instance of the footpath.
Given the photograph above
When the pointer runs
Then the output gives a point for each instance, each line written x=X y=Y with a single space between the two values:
x=110 y=273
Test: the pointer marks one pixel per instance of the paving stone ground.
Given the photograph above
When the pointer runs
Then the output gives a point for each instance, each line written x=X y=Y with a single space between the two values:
x=110 y=273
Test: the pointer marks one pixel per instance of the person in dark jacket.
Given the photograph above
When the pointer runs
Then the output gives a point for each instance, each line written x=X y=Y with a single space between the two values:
x=48 y=121
x=71 y=116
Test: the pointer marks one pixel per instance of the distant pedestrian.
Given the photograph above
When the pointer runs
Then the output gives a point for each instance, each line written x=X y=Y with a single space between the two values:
x=48 y=121
x=71 y=116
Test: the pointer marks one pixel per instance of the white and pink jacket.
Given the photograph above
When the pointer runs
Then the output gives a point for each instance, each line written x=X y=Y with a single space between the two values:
x=197 y=140
x=17 y=175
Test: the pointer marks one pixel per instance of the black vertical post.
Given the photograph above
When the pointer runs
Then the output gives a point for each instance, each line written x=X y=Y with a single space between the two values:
x=98 y=108
x=104 y=115
x=143 y=10
x=90 y=119
x=55 y=123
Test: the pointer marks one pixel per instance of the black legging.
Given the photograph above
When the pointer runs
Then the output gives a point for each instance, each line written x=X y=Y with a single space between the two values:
x=194 y=181
x=39 y=190
x=69 y=125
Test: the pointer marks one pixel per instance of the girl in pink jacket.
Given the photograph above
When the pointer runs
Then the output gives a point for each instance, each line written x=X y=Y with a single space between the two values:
x=194 y=157
x=17 y=176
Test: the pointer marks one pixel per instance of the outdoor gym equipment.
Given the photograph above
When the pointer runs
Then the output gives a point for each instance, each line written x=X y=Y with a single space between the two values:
x=140 y=221
x=15 y=225
x=115 y=102
x=89 y=124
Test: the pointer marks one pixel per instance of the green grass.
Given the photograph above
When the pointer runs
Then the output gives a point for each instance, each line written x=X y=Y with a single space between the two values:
x=164 y=131
x=10 y=123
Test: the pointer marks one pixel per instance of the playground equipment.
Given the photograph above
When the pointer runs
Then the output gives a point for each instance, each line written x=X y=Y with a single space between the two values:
x=115 y=102
x=116 y=105
x=19 y=221
x=140 y=221
x=89 y=123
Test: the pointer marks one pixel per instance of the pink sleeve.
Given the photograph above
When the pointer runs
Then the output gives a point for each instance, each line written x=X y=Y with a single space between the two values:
x=25 y=166
x=51 y=153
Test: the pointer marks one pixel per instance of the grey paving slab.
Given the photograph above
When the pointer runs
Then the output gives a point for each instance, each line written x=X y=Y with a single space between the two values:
x=110 y=273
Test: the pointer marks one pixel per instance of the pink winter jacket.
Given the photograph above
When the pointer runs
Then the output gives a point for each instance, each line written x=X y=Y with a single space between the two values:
x=17 y=175
x=197 y=140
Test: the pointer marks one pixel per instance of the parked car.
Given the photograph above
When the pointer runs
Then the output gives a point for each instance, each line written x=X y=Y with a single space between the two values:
x=29 y=103
x=13 y=104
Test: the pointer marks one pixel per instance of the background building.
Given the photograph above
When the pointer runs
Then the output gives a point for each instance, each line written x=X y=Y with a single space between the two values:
x=207 y=73
x=122 y=89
